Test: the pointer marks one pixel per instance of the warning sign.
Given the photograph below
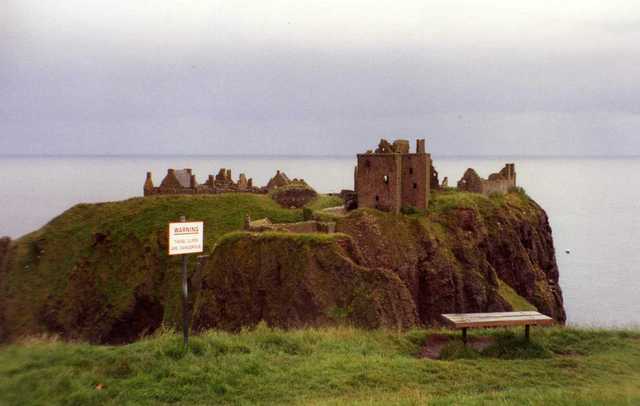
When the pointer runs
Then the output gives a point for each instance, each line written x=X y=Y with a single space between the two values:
x=186 y=238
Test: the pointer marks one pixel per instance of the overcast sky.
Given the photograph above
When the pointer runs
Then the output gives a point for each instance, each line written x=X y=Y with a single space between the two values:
x=322 y=77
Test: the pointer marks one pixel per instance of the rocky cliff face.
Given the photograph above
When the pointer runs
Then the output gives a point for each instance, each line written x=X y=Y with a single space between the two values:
x=466 y=258
x=109 y=279
x=474 y=255
x=297 y=281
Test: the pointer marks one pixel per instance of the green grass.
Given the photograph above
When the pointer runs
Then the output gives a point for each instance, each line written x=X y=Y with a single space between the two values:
x=141 y=216
x=324 y=202
x=328 y=366
x=443 y=201
x=518 y=302
x=274 y=235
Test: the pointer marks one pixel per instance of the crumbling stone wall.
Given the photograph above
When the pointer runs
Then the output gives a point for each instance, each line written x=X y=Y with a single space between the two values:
x=392 y=178
x=378 y=181
x=499 y=182
x=311 y=226
x=416 y=180
x=435 y=181
x=280 y=180
x=183 y=181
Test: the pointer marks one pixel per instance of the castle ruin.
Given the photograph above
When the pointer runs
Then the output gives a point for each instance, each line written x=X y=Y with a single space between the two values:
x=183 y=182
x=499 y=182
x=392 y=178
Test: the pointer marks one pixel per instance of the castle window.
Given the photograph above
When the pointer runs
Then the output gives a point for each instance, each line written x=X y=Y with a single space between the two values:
x=410 y=171
x=386 y=179
x=367 y=163
x=415 y=185
x=377 y=198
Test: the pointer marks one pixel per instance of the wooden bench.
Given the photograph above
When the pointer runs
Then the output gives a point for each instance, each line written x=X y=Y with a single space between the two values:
x=501 y=319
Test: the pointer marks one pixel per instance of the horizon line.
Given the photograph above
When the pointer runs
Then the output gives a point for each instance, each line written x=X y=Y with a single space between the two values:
x=339 y=156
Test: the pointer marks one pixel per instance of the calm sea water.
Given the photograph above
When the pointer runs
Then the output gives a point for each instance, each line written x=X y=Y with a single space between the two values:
x=593 y=204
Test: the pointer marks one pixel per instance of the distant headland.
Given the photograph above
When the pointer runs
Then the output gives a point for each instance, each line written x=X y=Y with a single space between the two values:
x=397 y=251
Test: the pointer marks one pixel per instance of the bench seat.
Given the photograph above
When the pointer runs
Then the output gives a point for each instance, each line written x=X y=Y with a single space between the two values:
x=499 y=319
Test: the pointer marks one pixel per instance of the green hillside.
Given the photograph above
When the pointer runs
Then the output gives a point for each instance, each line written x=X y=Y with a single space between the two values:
x=100 y=272
x=97 y=265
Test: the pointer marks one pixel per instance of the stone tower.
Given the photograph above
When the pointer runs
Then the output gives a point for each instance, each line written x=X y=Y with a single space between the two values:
x=392 y=178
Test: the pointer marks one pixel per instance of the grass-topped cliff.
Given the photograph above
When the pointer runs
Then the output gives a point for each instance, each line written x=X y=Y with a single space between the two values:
x=100 y=272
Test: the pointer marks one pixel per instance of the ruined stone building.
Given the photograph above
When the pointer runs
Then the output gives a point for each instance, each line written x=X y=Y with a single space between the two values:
x=499 y=182
x=183 y=181
x=280 y=179
x=392 y=177
x=309 y=226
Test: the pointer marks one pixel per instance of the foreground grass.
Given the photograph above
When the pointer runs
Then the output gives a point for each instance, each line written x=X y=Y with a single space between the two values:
x=328 y=366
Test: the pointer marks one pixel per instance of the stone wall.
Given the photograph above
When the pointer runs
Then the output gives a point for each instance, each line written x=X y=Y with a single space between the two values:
x=416 y=185
x=311 y=226
x=392 y=178
x=499 y=182
x=379 y=181
x=183 y=182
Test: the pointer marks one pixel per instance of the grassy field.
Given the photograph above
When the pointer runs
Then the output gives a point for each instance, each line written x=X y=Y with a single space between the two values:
x=330 y=366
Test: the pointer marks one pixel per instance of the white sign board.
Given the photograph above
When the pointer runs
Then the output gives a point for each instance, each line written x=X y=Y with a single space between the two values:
x=186 y=238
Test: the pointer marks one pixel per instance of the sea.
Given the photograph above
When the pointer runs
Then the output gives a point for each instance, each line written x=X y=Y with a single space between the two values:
x=593 y=205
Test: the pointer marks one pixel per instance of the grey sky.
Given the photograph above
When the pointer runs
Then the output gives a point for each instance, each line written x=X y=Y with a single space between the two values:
x=294 y=77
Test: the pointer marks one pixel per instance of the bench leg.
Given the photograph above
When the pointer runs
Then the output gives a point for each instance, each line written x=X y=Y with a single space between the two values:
x=464 y=336
x=526 y=332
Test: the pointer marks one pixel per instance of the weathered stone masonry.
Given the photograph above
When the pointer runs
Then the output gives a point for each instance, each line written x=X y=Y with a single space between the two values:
x=499 y=182
x=392 y=178
x=183 y=181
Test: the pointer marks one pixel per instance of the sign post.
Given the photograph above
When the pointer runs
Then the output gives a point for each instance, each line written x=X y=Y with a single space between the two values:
x=185 y=238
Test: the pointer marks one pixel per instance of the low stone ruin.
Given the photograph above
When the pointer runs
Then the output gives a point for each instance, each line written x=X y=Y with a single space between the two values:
x=500 y=182
x=280 y=179
x=183 y=181
x=311 y=226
